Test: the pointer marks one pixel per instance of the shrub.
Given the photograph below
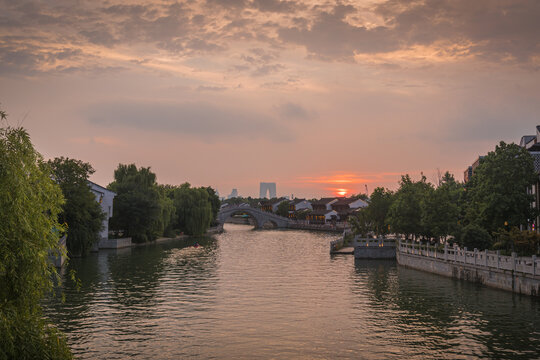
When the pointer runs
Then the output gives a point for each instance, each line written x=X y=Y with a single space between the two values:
x=474 y=236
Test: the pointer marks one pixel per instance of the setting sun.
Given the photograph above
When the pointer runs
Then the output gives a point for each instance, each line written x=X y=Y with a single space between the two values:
x=342 y=192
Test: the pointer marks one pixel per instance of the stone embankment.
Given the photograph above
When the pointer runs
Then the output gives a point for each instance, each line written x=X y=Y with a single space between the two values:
x=304 y=225
x=369 y=248
x=518 y=274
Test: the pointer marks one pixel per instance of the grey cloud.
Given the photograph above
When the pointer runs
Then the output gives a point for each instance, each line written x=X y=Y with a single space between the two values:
x=29 y=60
x=100 y=36
x=209 y=122
x=292 y=111
x=508 y=27
x=211 y=88
x=276 y=5
x=330 y=36
x=497 y=29
x=129 y=10
x=228 y=3
x=15 y=59
x=267 y=69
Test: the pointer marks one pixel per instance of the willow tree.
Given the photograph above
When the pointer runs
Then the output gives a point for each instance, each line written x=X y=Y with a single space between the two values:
x=193 y=209
x=138 y=209
x=30 y=203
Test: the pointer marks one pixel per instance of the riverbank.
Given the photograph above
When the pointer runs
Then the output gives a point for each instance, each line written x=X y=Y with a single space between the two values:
x=211 y=231
x=115 y=244
x=520 y=275
x=317 y=227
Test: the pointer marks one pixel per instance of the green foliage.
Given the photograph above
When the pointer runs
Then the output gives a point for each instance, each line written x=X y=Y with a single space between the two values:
x=405 y=213
x=81 y=212
x=214 y=202
x=361 y=223
x=283 y=208
x=497 y=192
x=138 y=205
x=379 y=206
x=193 y=209
x=441 y=208
x=303 y=214
x=476 y=237
x=164 y=225
x=524 y=243
x=30 y=204
x=360 y=196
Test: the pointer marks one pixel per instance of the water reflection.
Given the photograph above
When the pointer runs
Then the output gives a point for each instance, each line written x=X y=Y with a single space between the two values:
x=278 y=294
x=446 y=318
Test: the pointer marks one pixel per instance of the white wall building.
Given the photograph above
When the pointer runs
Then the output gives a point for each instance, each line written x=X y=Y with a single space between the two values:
x=105 y=198
x=358 y=204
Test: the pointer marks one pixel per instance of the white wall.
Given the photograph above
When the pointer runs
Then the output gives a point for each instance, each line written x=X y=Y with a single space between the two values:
x=105 y=198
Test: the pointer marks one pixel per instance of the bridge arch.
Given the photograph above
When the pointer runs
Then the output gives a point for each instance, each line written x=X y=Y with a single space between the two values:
x=261 y=217
x=223 y=217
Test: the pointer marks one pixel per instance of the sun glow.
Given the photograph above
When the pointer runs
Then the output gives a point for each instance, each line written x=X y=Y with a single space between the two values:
x=342 y=192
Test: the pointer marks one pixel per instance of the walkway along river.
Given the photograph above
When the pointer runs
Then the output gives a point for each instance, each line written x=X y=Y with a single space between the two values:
x=278 y=294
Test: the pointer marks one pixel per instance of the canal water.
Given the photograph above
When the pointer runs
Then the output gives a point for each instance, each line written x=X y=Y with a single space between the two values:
x=279 y=295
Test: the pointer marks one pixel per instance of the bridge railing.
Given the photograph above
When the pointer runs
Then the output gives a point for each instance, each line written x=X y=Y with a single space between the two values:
x=483 y=259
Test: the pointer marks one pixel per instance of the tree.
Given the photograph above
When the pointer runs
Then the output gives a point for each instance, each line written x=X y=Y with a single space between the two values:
x=476 y=237
x=497 y=193
x=360 y=196
x=164 y=225
x=405 y=213
x=283 y=208
x=379 y=206
x=81 y=212
x=441 y=208
x=193 y=209
x=214 y=202
x=138 y=207
x=361 y=223
x=30 y=203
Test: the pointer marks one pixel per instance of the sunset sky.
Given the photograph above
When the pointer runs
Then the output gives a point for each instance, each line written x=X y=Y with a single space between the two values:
x=316 y=96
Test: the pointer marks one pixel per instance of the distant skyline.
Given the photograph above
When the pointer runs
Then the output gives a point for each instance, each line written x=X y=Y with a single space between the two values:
x=321 y=97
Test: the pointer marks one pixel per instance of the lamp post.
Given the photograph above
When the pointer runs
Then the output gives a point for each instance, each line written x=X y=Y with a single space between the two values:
x=512 y=240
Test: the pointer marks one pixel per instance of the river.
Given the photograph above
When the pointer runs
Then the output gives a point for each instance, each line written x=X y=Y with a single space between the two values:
x=278 y=294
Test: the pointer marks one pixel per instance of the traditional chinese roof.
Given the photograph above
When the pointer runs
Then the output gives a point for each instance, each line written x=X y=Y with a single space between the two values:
x=344 y=201
x=322 y=212
x=324 y=201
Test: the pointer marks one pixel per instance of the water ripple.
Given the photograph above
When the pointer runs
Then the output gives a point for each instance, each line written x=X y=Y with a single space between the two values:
x=279 y=295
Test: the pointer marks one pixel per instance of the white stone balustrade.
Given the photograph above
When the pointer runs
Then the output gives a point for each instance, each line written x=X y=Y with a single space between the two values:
x=481 y=259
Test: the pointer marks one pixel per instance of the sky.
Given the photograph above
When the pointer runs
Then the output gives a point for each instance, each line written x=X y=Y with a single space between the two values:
x=320 y=97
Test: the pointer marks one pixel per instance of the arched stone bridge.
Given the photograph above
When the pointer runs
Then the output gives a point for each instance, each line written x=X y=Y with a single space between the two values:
x=261 y=217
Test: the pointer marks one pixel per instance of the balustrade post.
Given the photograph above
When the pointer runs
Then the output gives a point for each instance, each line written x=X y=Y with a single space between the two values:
x=465 y=255
x=455 y=252
x=486 y=258
x=498 y=258
x=475 y=255
x=534 y=265
x=445 y=252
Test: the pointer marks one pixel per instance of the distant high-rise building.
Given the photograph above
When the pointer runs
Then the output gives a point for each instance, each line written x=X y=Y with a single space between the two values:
x=267 y=188
x=233 y=194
